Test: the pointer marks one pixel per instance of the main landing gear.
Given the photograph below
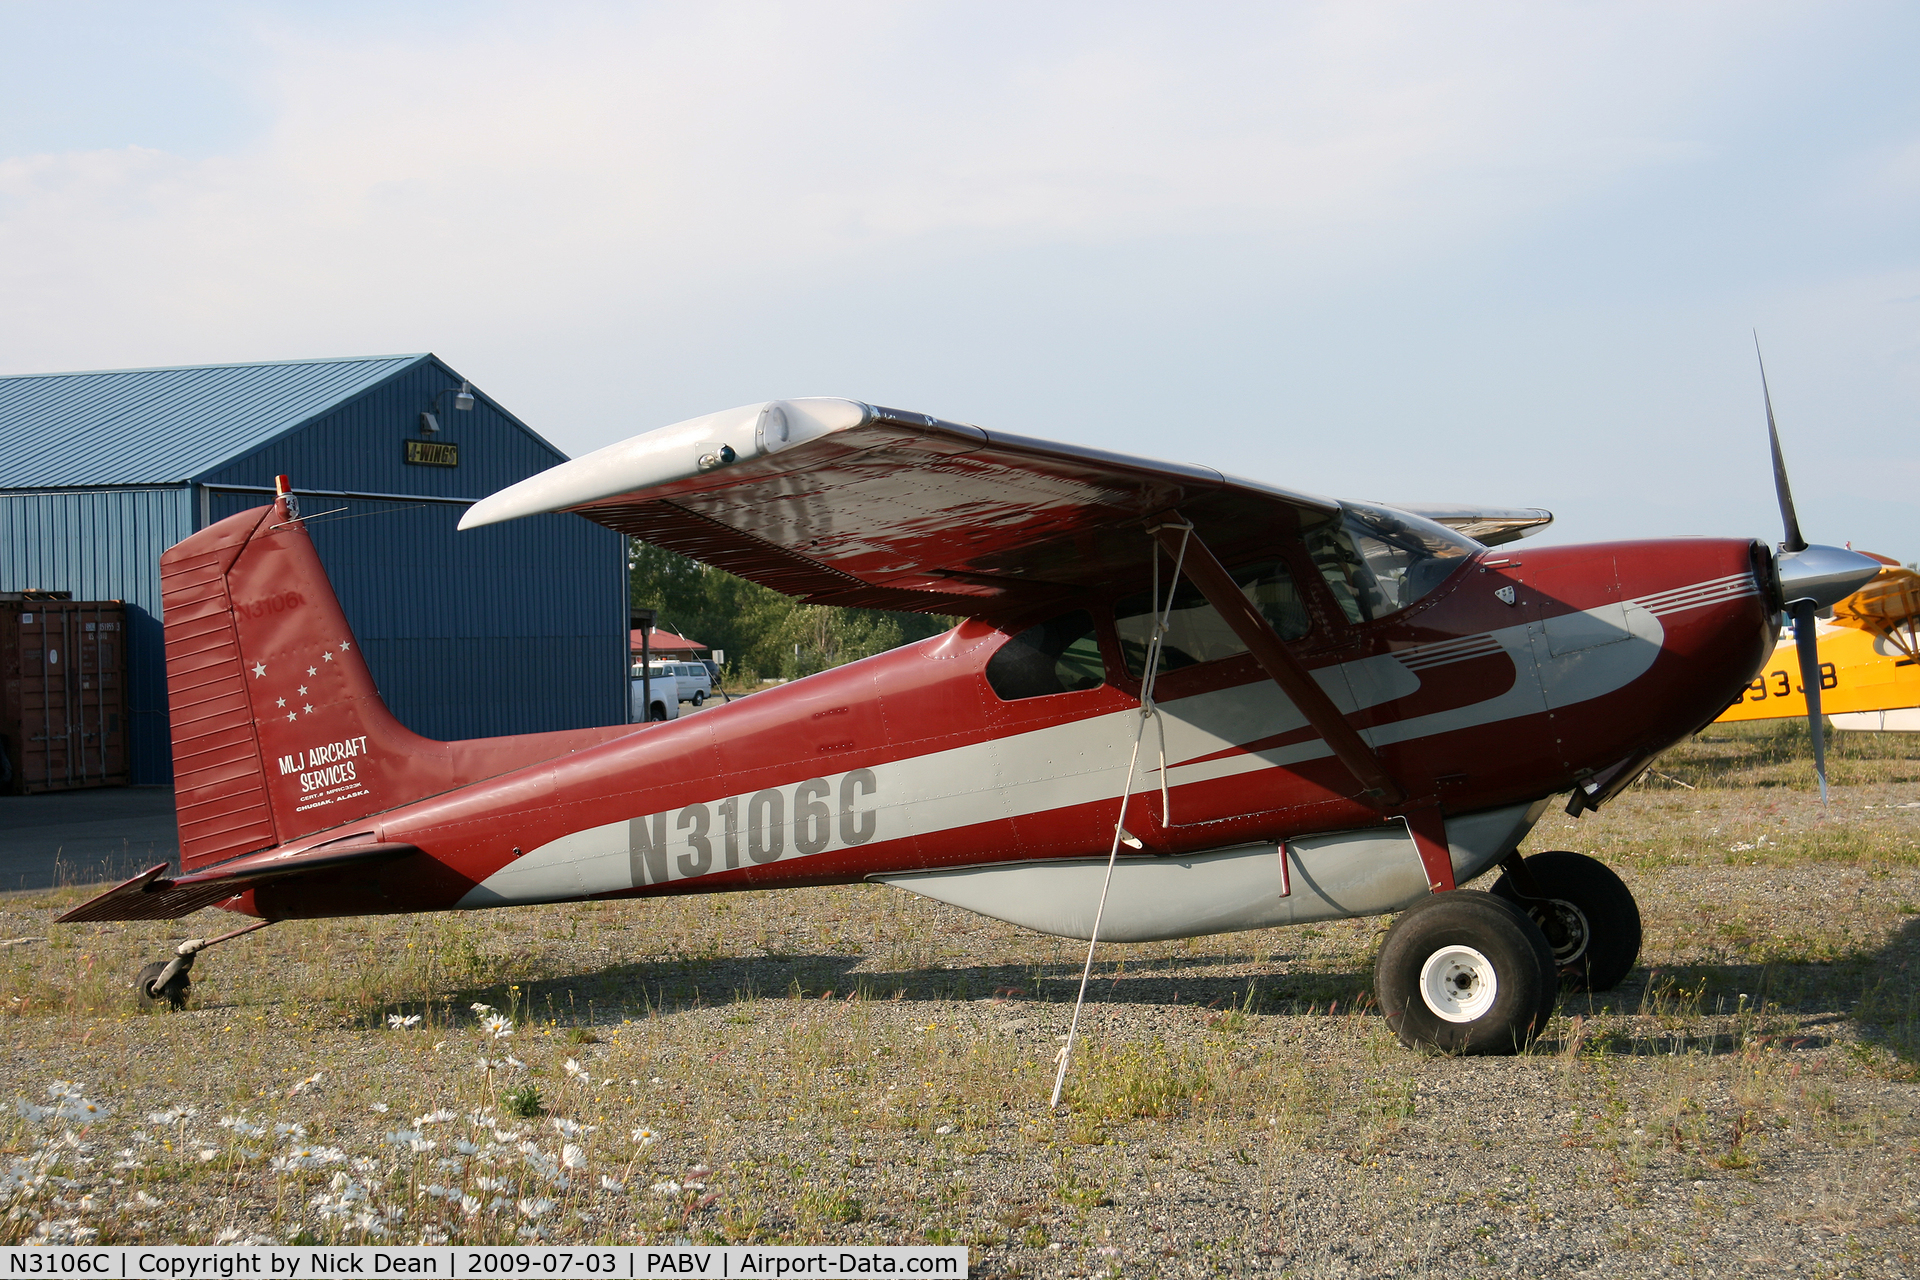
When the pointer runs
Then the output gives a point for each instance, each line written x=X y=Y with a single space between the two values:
x=1465 y=972
x=1588 y=915
x=168 y=979
x=1469 y=972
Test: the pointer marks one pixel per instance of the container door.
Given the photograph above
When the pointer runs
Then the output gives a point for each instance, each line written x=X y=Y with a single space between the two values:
x=68 y=692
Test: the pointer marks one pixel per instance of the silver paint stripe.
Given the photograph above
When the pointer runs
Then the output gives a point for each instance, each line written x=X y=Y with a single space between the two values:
x=1427 y=661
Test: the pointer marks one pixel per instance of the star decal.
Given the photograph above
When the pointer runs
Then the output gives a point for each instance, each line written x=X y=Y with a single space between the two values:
x=327 y=654
x=293 y=715
x=259 y=669
x=345 y=645
x=313 y=671
x=308 y=708
x=303 y=691
x=281 y=703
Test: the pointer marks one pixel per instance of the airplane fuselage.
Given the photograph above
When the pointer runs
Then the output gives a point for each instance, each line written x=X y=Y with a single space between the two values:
x=1527 y=672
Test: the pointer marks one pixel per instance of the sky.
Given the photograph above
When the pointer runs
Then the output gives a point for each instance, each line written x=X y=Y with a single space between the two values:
x=1504 y=254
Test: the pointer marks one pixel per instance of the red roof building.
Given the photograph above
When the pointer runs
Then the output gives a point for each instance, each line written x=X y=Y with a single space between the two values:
x=668 y=647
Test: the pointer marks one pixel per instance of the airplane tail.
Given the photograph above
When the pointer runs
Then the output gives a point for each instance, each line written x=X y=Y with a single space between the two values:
x=278 y=730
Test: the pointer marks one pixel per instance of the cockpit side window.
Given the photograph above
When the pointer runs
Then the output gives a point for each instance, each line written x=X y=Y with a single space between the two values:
x=1196 y=632
x=1060 y=655
x=1377 y=561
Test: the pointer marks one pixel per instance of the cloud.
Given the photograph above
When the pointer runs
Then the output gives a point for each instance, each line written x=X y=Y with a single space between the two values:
x=563 y=161
x=1481 y=236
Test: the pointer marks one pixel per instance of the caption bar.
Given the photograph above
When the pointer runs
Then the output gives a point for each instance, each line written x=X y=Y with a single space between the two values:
x=448 y=1262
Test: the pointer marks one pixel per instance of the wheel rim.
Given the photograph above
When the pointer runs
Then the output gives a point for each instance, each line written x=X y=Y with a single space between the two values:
x=1566 y=928
x=1458 y=983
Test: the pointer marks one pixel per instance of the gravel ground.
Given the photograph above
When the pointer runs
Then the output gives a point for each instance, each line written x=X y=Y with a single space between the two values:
x=857 y=1064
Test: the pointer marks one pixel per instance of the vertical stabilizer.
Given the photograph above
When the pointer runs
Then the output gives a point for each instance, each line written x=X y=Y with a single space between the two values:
x=278 y=730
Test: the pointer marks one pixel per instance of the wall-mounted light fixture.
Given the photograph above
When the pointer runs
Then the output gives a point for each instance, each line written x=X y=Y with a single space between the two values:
x=462 y=400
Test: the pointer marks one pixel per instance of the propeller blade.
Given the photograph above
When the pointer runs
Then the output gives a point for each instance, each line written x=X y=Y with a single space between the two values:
x=1794 y=541
x=1808 y=646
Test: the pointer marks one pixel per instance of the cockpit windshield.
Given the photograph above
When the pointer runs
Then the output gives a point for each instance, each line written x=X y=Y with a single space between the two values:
x=1378 y=561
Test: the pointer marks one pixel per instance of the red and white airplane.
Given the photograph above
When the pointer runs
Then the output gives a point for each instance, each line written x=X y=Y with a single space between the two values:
x=1181 y=702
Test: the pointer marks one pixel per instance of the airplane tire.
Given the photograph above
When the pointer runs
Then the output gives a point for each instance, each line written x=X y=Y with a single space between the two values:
x=1464 y=972
x=1589 y=916
x=174 y=993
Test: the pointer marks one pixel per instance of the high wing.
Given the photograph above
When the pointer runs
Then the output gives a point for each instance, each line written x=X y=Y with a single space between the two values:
x=1888 y=608
x=839 y=502
x=1891 y=600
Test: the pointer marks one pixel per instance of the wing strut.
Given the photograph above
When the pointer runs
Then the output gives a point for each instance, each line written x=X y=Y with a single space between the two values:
x=1147 y=711
x=1205 y=572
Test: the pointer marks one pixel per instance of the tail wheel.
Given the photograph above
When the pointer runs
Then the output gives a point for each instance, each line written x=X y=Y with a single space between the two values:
x=175 y=992
x=1465 y=972
x=1587 y=913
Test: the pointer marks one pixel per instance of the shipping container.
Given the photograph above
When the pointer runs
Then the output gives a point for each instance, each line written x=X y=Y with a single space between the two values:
x=63 y=694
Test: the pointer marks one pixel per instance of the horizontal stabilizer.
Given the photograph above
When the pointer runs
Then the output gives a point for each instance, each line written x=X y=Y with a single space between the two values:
x=152 y=896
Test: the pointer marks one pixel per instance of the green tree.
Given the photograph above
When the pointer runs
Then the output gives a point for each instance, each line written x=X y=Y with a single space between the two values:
x=764 y=633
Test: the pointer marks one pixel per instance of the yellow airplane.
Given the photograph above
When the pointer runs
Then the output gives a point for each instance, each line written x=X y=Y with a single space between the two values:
x=1869 y=662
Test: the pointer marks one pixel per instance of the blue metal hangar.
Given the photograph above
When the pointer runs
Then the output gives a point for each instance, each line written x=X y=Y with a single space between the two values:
x=514 y=628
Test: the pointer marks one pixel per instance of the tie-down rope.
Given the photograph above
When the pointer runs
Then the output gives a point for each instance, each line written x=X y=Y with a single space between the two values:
x=1162 y=620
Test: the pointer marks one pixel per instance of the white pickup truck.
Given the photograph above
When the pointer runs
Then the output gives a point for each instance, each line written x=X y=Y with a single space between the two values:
x=662 y=688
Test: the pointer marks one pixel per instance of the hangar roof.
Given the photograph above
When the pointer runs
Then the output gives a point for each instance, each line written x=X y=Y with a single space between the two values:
x=166 y=426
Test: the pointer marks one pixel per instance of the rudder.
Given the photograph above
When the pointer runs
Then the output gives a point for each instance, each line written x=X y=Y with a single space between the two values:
x=220 y=791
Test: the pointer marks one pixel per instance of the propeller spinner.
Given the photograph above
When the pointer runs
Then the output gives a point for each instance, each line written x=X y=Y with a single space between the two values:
x=1811 y=578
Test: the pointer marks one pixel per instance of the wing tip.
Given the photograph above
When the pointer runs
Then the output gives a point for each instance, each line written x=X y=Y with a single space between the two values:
x=1489 y=526
x=672 y=455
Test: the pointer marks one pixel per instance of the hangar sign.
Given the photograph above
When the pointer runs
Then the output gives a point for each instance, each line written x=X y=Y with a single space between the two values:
x=432 y=453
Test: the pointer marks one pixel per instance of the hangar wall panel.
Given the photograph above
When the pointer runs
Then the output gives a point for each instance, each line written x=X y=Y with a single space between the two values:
x=105 y=545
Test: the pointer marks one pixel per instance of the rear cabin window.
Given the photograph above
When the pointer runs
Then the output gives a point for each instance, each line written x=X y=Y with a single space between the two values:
x=1196 y=633
x=1377 y=561
x=1061 y=655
